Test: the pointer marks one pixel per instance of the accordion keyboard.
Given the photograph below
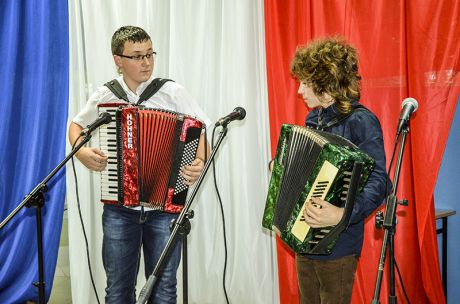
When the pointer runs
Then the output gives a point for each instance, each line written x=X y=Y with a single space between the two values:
x=321 y=233
x=108 y=145
x=319 y=189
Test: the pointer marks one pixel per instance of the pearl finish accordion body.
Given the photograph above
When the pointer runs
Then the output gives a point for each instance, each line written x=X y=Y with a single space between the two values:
x=312 y=163
x=146 y=149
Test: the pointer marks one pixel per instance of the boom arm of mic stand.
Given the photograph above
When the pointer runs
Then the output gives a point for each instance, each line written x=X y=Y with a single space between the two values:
x=389 y=223
x=147 y=289
x=36 y=199
x=42 y=185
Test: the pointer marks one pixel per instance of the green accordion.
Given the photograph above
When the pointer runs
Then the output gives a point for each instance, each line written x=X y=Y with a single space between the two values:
x=312 y=163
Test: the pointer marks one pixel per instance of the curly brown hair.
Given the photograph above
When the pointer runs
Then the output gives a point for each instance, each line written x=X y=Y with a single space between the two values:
x=329 y=66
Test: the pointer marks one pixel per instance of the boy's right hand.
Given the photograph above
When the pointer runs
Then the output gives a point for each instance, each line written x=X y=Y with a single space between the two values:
x=93 y=158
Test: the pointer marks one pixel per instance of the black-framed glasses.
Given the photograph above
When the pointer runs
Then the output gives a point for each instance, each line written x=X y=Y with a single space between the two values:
x=149 y=56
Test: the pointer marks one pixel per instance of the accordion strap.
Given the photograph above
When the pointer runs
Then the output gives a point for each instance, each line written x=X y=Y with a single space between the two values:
x=116 y=89
x=149 y=91
x=152 y=88
x=341 y=118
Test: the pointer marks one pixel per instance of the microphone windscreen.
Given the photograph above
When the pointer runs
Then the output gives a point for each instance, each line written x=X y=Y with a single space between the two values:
x=410 y=101
x=242 y=112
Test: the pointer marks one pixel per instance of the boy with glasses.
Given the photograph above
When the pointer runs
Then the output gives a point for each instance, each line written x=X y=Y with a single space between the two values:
x=127 y=230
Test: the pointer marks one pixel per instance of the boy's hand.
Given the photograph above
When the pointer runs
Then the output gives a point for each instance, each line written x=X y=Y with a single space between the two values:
x=319 y=213
x=192 y=172
x=93 y=158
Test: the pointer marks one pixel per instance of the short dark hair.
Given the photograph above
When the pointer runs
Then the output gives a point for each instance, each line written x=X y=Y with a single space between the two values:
x=329 y=66
x=127 y=33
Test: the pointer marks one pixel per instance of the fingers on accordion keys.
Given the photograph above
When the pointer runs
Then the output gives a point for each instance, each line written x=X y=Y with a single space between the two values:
x=311 y=202
x=316 y=205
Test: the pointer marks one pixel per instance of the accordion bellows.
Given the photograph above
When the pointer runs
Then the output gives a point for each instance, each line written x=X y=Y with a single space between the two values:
x=146 y=149
x=312 y=163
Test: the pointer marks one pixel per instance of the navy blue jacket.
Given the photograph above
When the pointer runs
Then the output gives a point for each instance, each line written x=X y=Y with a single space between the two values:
x=363 y=129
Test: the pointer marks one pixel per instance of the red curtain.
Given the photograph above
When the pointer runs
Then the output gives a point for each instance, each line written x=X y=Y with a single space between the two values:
x=406 y=48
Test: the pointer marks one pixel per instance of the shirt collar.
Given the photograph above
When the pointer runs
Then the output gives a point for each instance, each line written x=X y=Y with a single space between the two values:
x=134 y=97
x=325 y=115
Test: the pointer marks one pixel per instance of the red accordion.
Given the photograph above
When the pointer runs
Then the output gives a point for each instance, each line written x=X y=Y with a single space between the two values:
x=146 y=149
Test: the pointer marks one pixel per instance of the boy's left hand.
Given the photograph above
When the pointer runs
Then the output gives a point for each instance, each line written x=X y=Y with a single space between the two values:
x=192 y=172
x=319 y=213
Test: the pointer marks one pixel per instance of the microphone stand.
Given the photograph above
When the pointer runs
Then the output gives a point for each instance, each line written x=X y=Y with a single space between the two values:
x=36 y=199
x=389 y=224
x=179 y=225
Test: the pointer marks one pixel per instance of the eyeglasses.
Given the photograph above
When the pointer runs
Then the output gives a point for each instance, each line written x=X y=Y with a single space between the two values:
x=149 y=56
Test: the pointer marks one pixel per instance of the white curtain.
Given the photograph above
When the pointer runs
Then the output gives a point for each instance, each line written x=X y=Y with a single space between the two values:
x=216 y=50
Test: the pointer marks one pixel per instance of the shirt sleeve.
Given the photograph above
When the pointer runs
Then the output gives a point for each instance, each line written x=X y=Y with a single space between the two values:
x=187 y=104
x=89 y=112
x=367 y=135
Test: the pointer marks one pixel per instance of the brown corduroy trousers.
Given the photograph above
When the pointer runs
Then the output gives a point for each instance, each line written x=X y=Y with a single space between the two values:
x=325 y=281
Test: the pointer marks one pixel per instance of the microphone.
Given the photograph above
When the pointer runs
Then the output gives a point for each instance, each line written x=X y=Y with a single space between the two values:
x=238 y=114
x=409 y=106
x=104 y=118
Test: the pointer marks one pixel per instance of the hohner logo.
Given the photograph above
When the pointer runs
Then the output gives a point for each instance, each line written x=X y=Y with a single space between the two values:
x=129 y=130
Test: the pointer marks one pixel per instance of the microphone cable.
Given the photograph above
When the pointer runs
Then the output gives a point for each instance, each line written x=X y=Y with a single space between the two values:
x=222 y=215
x=82 y=224
x=402 y=283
